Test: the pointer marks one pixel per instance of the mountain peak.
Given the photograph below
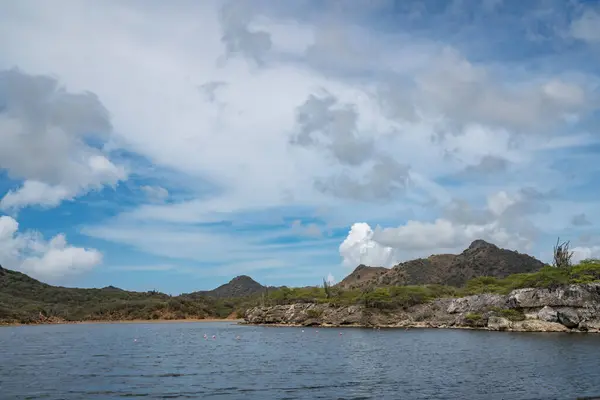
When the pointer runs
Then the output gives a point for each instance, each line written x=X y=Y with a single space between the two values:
x=240 y=286
x=242 y=278
x=480 y=244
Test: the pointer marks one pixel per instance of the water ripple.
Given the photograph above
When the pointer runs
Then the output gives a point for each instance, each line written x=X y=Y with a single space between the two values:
x=174 y=361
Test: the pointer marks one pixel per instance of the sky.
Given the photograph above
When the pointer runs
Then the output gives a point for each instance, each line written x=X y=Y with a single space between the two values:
x=174 y=145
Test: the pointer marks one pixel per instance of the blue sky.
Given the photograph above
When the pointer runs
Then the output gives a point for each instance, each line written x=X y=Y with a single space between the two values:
x=175 y=145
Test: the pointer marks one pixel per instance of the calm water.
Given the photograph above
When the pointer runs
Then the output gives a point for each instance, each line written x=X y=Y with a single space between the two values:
x=158 y=361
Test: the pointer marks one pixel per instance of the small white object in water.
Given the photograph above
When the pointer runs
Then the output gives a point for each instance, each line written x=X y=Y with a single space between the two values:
x=214 y=337
x=341 y=333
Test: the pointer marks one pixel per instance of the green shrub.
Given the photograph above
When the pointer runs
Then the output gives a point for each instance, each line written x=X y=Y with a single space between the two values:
x=473 y=317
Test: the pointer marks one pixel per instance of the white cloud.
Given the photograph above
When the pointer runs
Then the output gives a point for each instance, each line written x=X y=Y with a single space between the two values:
x=47 y=260
x=360 y=248
x=271 y=110
x=44 y=129
x=587 y=27
x=467 y=93
x=34 y=192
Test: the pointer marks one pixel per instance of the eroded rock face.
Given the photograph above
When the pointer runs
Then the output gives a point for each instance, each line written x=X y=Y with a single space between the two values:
x=477 y=303
x=562 y=309
x=547 y=314
x=565 y=296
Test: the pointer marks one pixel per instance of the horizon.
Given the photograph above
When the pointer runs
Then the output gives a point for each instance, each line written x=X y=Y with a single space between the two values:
x=152 y=145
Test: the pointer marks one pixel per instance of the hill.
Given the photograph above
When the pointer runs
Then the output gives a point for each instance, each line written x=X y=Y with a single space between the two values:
x=362 y=275
x=240 y=286
x=27 y=300
x=479 y=259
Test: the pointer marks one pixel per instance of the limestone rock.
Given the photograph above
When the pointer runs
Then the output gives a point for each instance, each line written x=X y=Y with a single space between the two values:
x=534 y=325
x=568 y=317
x=498 y=324
x=547 y=314
x=559 y=309
x=565 y=296
x=477 y=303
x=590 y=326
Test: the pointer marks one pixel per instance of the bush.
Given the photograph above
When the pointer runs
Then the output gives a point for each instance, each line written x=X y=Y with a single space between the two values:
x=473 y=317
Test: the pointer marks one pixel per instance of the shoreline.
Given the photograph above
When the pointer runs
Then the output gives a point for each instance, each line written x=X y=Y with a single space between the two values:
x=125 y=321
x=413 y=326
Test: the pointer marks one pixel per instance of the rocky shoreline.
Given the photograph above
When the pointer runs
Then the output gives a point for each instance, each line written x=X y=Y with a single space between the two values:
x=569 y=308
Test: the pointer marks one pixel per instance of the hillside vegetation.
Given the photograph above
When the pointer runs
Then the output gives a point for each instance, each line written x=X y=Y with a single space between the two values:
x=26 y=300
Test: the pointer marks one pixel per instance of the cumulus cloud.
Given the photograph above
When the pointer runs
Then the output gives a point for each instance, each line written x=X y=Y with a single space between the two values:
x=46 y=260
x=370 y=175
x=360 y=248
x=323 y=122
x=46 y=133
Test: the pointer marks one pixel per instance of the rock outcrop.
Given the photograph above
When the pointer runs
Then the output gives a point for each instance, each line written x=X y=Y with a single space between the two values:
x=570 y=308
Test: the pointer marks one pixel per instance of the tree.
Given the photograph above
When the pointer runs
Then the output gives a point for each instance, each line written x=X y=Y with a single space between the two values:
x=562 y=255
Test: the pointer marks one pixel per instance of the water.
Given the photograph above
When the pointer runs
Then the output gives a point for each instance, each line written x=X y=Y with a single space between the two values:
x=159 y=361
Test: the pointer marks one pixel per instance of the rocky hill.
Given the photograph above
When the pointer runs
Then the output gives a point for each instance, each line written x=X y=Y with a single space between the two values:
x=361 y=276
x=240 y=286
x=479 y=259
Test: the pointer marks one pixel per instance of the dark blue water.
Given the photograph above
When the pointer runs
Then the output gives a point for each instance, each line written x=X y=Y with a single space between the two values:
x=159 y=361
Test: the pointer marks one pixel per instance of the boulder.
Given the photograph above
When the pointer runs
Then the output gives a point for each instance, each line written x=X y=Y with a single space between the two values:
x=535 y=325
x=498 y=324
x=590 y=326
x=547 y=314
x=568 y=317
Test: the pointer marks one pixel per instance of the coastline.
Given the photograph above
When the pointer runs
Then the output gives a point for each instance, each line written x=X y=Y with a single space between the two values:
x=569 y=308
x=132 y=321
x=414 y=326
